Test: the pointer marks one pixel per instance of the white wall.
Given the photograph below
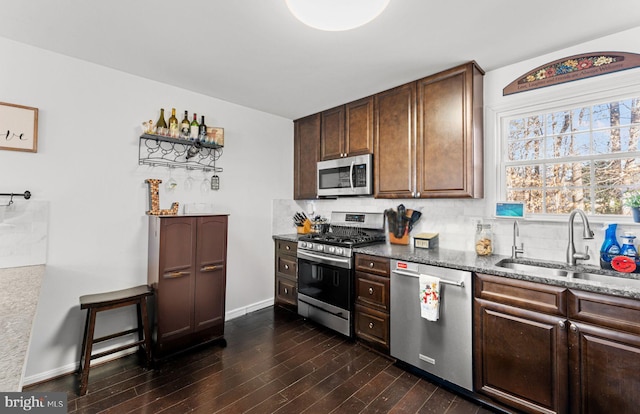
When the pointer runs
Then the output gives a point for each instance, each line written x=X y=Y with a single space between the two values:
x=455 y=219
x=87 y=169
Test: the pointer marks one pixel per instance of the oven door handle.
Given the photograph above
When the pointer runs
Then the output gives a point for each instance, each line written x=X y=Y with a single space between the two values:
x=339 y=261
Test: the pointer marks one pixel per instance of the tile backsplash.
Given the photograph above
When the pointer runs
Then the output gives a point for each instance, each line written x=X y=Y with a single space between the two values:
x=455 y=221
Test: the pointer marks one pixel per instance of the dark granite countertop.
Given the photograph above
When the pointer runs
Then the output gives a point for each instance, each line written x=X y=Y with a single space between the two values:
x=626 y=285
x=293 y=237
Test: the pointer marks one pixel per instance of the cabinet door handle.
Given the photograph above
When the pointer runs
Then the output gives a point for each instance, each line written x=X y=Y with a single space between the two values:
x=174 y=275
x=561 y=324
x=286 y=267
x=370 y=325
x=210 y=268
x=418 y=194
x=371 y=291
x=573 y=328
x=371 y=265
x=288 y=247
x=286 y=291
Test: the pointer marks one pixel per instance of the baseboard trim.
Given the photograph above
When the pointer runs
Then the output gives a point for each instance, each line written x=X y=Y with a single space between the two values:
x=73 y=367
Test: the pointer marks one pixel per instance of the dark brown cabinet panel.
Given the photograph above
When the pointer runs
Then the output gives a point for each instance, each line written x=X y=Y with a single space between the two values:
x=523 y=357
x=332 y=134
x=520 y=353
x=210 y=272
x=359 y=127
x=347 y=130
x=394 y=142
x=286 y=274
x=187 y=268
x=306 y=147
x=604 y=353
x=450 y=144
x=546 y=349
x=372 y=286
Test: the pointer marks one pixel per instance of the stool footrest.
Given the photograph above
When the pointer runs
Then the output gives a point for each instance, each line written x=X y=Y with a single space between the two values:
x=118 y=349
x=115 y=335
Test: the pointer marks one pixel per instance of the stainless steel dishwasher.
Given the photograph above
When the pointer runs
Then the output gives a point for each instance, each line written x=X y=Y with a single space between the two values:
x=442 y=348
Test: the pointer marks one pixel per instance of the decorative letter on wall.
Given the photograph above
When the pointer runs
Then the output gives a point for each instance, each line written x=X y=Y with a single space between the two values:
x=573 y=68
x=154 y=200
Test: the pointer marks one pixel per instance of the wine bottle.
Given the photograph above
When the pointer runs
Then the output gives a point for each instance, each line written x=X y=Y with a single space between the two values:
x=202 y=134
x=161 y=123
x=185 y=127
x=194 y=128
x=173 y=124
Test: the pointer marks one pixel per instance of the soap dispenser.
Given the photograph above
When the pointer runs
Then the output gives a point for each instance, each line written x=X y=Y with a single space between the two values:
x=610 y=247
x=628 y=247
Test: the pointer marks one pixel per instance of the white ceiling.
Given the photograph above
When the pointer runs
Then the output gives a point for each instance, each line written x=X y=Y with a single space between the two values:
x=254 y=53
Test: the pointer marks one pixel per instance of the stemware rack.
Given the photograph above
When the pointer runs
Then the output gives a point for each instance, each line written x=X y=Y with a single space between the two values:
x=159 y=150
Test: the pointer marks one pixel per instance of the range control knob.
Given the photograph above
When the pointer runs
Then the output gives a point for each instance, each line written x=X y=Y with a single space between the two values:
x=319 y=247
x=339 y=250
x=332 y=249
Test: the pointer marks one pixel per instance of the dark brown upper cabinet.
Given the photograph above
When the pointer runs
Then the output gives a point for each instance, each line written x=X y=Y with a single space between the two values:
x=347 y=130
x=306 y=148
x=449 y=137
x=428 y=137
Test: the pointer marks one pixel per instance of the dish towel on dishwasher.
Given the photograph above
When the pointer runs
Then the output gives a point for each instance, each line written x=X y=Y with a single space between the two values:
x=429 y=297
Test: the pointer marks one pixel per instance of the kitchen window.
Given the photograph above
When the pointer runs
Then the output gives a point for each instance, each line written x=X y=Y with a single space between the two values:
x=557 y=157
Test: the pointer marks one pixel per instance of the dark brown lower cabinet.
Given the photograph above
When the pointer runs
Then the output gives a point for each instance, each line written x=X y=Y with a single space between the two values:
x=372 y=284
x=187 y=269
x=521 y=356
x=604 y=353
x=547 y=349
x=286 y=274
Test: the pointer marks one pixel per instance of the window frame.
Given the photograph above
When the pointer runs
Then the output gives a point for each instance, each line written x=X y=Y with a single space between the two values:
x=606 y=88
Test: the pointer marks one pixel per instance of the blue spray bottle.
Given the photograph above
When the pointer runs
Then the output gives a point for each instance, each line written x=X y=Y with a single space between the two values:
x=610 y=247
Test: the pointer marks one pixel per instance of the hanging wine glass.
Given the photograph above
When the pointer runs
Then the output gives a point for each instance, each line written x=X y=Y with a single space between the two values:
x=205 y=184
x=171 y=183
x=188 y=182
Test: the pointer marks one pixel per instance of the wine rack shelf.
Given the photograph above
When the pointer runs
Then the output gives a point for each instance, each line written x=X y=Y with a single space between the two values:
x=158 y=150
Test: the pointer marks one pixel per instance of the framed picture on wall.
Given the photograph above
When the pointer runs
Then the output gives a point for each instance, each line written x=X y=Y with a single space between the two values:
x=18 y=127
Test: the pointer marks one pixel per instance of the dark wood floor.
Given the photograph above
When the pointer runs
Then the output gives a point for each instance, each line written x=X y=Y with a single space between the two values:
x=274 y=362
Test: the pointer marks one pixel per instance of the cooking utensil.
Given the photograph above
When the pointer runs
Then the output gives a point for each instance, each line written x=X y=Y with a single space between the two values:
x=414 y=216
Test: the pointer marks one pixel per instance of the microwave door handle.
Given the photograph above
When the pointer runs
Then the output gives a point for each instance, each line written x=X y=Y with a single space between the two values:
x=353 y=163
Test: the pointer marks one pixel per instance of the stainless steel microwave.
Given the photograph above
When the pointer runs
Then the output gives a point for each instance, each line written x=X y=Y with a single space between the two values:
x=350 y=176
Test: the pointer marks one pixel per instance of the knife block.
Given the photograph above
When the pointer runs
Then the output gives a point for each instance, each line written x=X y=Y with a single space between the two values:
x=306 y=228
x=402 y=240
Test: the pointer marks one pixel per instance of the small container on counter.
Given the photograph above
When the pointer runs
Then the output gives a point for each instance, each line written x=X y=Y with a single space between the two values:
x=484 y=240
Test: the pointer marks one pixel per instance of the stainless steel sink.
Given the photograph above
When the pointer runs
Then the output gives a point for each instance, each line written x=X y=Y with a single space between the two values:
x=542 y=269
x=605 y=279
x=550 y=269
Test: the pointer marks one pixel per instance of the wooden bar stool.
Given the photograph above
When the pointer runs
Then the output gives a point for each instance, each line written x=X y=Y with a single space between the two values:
x=112 y=300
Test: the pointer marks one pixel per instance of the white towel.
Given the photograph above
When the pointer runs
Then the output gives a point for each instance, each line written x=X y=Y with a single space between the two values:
x=429 y=297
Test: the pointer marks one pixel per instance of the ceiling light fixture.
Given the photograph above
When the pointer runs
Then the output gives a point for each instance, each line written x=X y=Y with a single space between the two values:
x=336 y=15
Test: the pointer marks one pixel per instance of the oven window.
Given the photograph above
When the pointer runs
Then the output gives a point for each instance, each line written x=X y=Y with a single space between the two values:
x=325 y=283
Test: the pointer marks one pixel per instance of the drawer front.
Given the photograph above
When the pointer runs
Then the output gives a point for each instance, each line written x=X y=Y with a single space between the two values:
x=372 y=326
x=372 y=290
x=286 y=291
x=521 y=294
x=373 y=264
x=286 y=247
x=288 y=266
x=605 y=310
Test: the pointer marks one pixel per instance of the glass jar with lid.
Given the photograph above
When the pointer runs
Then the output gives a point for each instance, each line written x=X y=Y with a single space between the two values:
x=484 y=239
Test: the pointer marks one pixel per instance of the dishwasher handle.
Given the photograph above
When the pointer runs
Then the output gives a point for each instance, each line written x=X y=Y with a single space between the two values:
x=459 y=283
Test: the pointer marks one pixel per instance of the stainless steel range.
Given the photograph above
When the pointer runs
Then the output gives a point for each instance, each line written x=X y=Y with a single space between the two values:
x=325 y=268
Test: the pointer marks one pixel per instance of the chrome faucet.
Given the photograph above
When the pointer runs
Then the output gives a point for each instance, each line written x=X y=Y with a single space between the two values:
x=515 y=250
x=572 y=255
